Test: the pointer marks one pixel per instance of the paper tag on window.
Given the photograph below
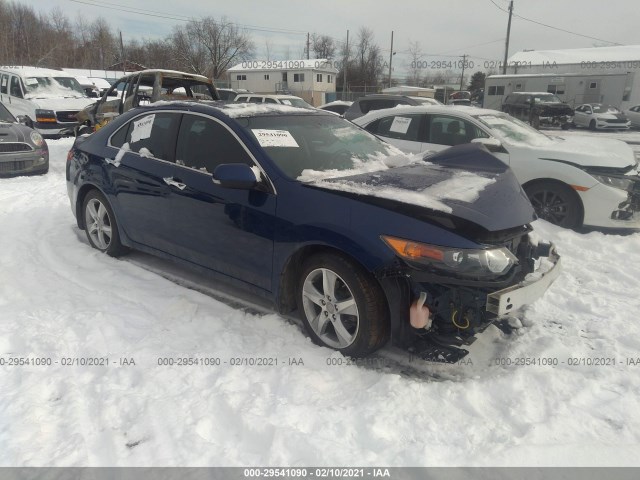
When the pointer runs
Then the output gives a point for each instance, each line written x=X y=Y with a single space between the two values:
x=400 y=125
x=274 y=138
x=142 y=128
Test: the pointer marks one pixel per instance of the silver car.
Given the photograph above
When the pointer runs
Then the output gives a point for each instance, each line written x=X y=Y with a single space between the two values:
x=23 y=151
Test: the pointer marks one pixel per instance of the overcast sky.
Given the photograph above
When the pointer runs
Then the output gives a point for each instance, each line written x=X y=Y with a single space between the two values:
x=445 y=29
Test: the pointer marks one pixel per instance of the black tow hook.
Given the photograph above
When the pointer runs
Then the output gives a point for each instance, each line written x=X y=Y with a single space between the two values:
x=541 y=250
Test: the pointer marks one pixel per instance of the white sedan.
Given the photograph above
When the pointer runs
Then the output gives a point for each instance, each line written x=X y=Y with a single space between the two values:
x=597 y=116
x=633 y=114
x=570 y=182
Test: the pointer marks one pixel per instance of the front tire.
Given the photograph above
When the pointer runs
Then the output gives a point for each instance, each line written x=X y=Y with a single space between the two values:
x=556 y=203
x=342 y=306
x=535 y=121
x=100 y=225
x=592 y=125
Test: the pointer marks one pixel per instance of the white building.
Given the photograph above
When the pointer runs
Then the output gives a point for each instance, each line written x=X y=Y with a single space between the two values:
x=308 y=79
x=602 y=74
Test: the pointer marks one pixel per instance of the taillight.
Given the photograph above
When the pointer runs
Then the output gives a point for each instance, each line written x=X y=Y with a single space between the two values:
x=69 y=155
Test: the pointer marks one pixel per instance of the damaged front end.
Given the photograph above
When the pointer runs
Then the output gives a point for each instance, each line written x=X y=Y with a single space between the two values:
x=466 y=291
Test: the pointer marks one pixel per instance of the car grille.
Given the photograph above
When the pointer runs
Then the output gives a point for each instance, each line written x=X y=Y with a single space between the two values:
x=617 y=120
x=15 y=166
x=14 y=147
x=67 y=116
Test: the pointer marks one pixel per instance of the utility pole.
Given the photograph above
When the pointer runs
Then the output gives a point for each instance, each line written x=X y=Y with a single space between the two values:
x=308 y=45
x=390 y=58
x=345 y=64
x=464 y=62
x=122 y=54
x=506 y=47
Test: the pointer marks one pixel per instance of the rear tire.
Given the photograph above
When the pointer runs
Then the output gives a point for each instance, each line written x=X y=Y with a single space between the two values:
x=556 y=203
x=100 y=225
x=342 y=306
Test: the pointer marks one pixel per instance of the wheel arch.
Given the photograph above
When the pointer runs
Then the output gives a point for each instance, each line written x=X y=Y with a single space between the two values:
x=286 y=294
x=576 y=196
x=82 y=194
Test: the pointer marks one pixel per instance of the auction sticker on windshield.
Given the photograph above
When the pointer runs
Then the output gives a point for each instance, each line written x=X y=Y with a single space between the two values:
x=274 y=138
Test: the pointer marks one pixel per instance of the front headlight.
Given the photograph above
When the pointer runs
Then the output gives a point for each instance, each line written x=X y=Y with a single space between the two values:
x=492 y=262
x=615 y=182
x=36 y=138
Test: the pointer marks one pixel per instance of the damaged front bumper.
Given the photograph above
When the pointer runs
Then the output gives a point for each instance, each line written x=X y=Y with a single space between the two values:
x=459 y=309
x=505 y=301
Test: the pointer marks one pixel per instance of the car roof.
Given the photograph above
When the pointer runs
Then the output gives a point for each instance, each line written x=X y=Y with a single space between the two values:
x=171 y=73
x=409 y=109
x=385 y=96
x=231 y=109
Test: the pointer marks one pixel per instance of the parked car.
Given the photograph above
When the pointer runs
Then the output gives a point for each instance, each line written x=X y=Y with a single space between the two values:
x=238 y=194
x=23 y=151
x=597 y=116
x=368 y=103
x=633 y=114
x=571 y=182
x=538 y=108
x=290 y=100
x=50 y=98
x=338 y=106
x=141 y=88
x=230 y=93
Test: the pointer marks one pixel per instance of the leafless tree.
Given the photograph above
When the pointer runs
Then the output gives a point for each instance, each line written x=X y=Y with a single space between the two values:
x=223 y=43
x=323 y=46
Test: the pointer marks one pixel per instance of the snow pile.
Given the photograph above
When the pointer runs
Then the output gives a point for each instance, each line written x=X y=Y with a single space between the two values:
x=61 y=299
x=236 y=110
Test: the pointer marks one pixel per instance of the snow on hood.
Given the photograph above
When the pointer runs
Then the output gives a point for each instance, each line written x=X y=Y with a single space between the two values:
x=464 y=181
x=462 y=186
x=588 y=152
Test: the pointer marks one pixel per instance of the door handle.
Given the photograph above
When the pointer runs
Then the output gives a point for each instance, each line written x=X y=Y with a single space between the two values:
x=175 y=182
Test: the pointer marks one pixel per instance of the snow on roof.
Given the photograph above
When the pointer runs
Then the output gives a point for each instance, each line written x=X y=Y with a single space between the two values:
x=94 y=73
x=264 y=65
x=578 y=55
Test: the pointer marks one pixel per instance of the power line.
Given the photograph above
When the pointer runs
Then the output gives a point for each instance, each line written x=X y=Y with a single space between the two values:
x=181 y=18
x=552 y=27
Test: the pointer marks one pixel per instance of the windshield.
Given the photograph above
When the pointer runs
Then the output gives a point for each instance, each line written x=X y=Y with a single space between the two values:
x=312 y=147
x=5 y=115
x=546 y=99
x=512 y=130
x=604 y=109
x=50 y=86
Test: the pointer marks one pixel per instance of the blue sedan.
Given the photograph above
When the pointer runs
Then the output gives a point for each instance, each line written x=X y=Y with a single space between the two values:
x=319 y=217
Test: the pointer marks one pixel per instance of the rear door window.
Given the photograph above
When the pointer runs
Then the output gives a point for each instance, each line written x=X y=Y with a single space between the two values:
x=4 y=82
x=154 y=135
x=205 y=143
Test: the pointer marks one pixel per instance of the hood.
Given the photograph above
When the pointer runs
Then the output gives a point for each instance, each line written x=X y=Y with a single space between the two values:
x=466 y=182
x=61 y=103
x=555 y=107
x=611 y=116
x=585 y=151
x=10 y=132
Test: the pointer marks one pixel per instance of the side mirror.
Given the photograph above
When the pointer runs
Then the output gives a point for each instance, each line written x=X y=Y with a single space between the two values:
x=235 y=175
x=25 y=120
x=492 y=144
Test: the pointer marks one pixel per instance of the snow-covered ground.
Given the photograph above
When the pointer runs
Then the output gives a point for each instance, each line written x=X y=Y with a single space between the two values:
x=59 y=299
